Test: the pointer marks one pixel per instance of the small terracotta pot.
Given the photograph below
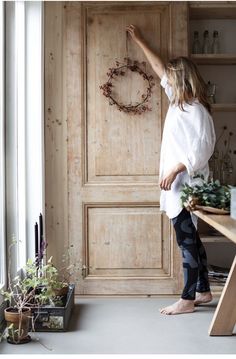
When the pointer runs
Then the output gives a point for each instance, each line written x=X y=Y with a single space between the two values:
x=19 y=321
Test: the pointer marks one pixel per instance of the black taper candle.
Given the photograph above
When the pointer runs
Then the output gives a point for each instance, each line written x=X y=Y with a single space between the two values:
x=36 y=236
x=41 y=233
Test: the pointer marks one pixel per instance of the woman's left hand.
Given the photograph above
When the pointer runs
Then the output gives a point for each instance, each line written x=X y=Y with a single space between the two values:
x=167 y=181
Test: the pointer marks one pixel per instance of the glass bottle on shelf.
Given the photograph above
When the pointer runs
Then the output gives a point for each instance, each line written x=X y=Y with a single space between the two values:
x=206 y=49
x=231 y=169
x=211 y=163
x=196 y=43
x=224 y=173
x=211 y=91
x=227 y=170
x=217 y=163
x=215 y=49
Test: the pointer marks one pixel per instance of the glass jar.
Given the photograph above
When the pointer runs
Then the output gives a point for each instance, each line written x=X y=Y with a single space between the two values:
x=196 y=43
x=211 y=91
x=211 y=163
x=215 y=49
x=217 y=165
x=227 y=170
x=206 y=48
x=233 y=203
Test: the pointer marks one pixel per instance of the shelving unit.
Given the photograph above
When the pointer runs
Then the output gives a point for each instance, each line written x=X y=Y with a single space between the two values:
x=214 y=59
x=224 y=107
x=211 y=16
x=212 y=10
x=217 y=68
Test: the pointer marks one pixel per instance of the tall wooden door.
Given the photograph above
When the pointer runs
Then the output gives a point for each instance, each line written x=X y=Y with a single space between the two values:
x=111 y=194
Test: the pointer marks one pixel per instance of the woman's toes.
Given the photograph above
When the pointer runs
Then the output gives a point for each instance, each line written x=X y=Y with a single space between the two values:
x=162 y=310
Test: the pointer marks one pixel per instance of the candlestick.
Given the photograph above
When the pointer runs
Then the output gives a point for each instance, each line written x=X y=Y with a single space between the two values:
x=41 y=236
x=36 y=240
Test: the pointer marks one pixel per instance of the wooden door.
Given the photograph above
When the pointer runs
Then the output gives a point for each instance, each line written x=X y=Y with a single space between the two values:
x=110 y=195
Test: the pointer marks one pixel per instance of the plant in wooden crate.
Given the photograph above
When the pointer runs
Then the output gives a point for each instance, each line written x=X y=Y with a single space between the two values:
x=55 y=316
x=62 y=280
x=31 y=290
x=40 y=286
x=61 y=276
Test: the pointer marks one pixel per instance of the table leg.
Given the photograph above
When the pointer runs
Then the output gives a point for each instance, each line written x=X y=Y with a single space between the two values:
x=224 y=318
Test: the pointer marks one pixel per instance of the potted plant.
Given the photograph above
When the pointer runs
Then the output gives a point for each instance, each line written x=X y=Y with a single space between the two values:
x=55 y=315
x=210 y=196
x=43 y=287
x=23 y=294
x=67 y=271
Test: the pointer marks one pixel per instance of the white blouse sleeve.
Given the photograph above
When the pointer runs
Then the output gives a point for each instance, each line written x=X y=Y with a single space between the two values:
x=166 y=86
x=195 y=142
x=198 y=156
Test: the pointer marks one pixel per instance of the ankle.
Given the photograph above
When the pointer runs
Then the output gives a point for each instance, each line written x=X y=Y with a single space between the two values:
x=187 y=301
x=204 y=293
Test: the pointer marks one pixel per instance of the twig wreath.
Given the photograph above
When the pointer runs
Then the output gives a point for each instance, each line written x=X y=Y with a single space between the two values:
x=120 y=70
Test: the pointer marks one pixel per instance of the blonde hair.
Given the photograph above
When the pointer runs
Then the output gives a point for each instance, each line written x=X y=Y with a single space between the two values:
x=186 y=82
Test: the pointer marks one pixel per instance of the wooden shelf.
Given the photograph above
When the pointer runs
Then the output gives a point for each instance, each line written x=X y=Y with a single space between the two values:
x=212 y=10
x=223 y=107
x=214 y=59
x=214 y=239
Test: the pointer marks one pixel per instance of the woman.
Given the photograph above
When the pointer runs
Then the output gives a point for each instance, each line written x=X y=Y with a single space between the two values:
x=187 y=144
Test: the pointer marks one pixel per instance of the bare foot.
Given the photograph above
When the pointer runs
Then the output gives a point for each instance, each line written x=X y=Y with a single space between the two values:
x=202 y=298
x=180 y=307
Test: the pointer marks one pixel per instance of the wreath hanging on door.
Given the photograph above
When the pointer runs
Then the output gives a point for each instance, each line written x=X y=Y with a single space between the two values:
x=120 y=70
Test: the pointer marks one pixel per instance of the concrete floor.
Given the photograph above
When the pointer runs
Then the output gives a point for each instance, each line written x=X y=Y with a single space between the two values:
x=129 y=326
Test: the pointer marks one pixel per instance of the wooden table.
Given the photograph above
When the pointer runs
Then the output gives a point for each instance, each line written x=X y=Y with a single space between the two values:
x=224 y=318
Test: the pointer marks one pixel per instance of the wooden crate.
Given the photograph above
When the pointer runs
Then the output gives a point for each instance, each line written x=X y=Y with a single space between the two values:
x=54 y=319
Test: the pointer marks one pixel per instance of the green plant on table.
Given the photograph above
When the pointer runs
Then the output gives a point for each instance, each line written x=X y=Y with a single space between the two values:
x=211 y=194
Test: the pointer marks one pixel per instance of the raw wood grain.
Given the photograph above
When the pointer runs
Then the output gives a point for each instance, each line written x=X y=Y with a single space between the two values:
x=224 y=318
x=55 y=131
x=223 y=223
x=102 y=166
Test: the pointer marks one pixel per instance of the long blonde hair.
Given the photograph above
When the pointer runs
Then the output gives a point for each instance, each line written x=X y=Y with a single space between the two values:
x=186 y=82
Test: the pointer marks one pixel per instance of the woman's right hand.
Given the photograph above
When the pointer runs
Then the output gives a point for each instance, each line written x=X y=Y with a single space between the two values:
x=134 y=32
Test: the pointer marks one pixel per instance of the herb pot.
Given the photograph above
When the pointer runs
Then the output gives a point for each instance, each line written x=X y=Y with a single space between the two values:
x=18 y=325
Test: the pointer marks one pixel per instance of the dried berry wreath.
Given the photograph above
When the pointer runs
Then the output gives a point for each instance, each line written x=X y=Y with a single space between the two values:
x=120 y=70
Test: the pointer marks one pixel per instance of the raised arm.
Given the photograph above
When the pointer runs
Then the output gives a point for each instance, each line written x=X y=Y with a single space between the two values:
x=154 y=60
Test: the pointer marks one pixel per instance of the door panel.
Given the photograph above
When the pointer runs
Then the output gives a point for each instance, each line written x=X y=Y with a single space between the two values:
x=113 y=217
x=133 y=141
x=119 y=243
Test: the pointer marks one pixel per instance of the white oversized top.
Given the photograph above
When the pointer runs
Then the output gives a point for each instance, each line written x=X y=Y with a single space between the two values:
x=189 y=138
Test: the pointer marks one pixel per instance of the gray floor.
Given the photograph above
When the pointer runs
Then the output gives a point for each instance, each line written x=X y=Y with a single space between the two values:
x=129 y=326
